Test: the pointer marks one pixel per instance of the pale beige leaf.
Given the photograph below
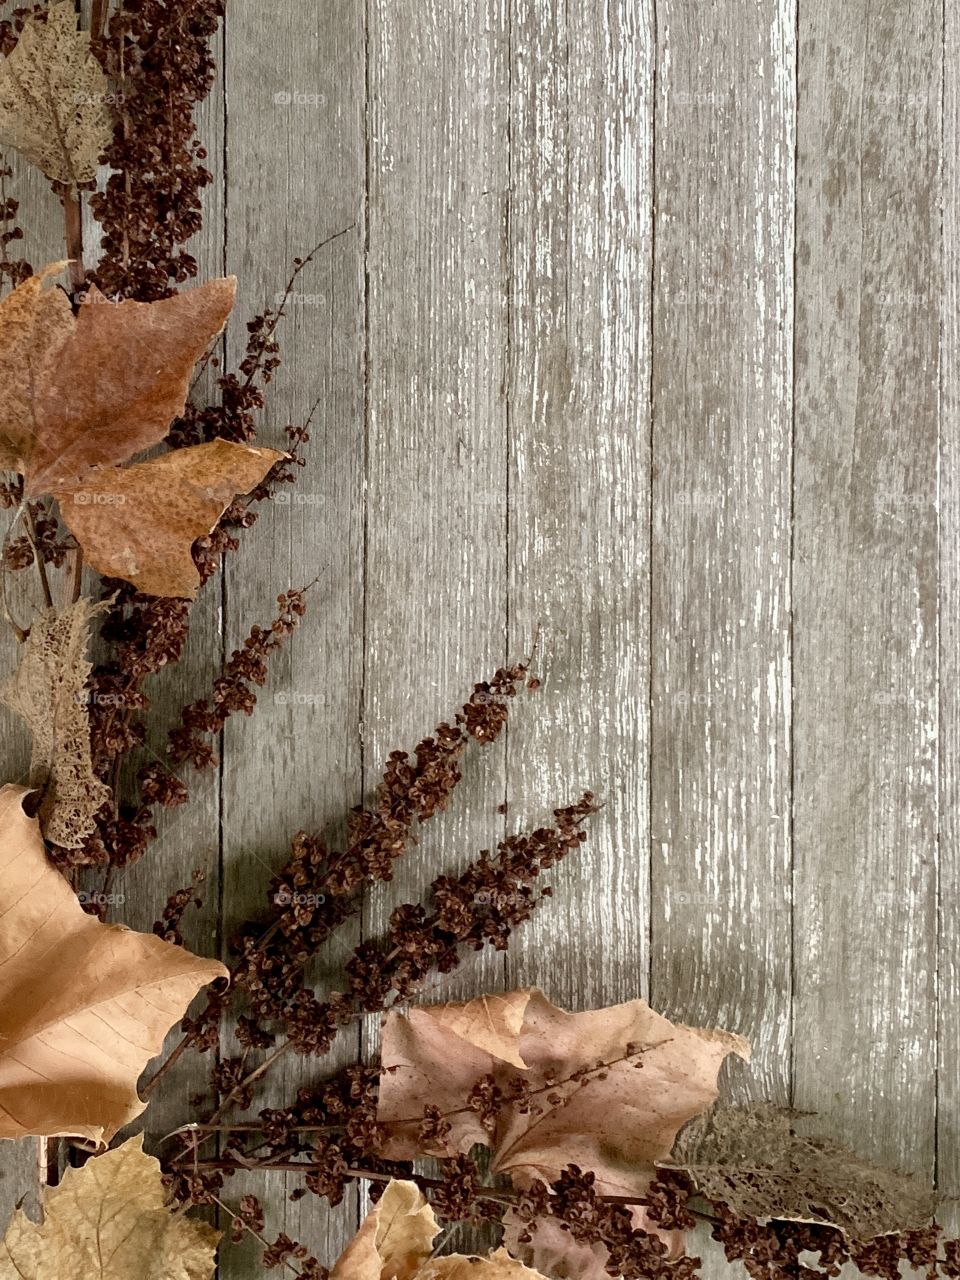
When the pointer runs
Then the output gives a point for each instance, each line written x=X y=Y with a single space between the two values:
x=615 y=1123
x=394 y=1240
x=99 y=388
x=53 y=96
x=555 y=1252
x=35 y=322
x=754 y=1160
x=139 y=523
x=491 y=1023
x=497 y=1266
x=107 y=1221
x=48 y=690
x=83 y=1006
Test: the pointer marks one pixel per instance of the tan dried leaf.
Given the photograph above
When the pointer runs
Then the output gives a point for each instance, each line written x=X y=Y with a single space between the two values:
x=394 y=1240
x=139 y=523
x=754 y=1160
x=83 y=1006
x=93 y=391
x=35 y=323
x=492 y=1023
x=615 y=1123
x=48 y=690
x=108 y=1221
x=53 y=96
x=554 y=1252
x=497 y=1266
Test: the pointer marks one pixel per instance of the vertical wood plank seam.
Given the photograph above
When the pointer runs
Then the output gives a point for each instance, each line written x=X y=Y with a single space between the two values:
x=791 y=540
x=360 y=1198
x=651 y=434
x=222 y=620
x=508 y=429
x=938 y=625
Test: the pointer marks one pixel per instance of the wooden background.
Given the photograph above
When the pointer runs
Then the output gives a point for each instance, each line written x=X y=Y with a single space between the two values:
x=644 y=335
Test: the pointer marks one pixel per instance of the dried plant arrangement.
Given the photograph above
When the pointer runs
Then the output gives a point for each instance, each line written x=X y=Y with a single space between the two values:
x=587 y=1144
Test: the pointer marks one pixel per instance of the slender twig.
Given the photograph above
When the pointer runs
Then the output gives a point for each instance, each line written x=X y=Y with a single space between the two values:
x=247 y=1226
x=98 y=18
x=76 y=587
x=502 y=1195
x=73 y=234
x=30 y=526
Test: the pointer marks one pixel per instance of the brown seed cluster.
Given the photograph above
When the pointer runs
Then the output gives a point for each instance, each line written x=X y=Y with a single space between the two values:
x=157 y=53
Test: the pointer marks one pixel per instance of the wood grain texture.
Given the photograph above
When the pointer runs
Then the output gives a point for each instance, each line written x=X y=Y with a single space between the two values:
x=580 y=221
x=865 y=573
x=40 y=216
x=722 y=371
x=633 y=341
x=295 y=147
x=948 y=1084
x=435 y=421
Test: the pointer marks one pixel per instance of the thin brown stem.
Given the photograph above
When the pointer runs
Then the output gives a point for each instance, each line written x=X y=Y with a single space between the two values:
x=73 y=234
x=235 y=1217
x=30 y=525
x=76 y=586
x=98 y=18
x=502 y=1195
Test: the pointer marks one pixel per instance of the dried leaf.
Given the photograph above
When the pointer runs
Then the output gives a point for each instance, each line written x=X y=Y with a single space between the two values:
x=395 y=1242
x=53 y=96
x=93 y=391
x=615 y=1122
x=498 y=1266
x=140 y=523
x=48 y=690
x=107 y=1221
x=35 y=323
x=753 y=1160
x=492 y=1023
x=83 y=1006
x=555 y=1252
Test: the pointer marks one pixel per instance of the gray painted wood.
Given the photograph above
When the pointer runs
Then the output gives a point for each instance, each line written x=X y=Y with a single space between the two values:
x=295 y=146
x=435 y=586
x=561 y=388
x=865 y=573
x=948 y=1085
x=722 y=370
x=579 y=520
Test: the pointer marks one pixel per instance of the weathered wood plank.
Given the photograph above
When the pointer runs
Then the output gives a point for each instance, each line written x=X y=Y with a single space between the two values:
x=295 y=150
x=579 y=519
x=865 y=573
x=436 y=421
x=188 y=838
x=41 y=218
x=436 y=418
x=948 y=1084
x=722 y=368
